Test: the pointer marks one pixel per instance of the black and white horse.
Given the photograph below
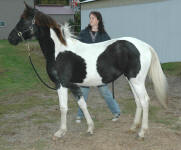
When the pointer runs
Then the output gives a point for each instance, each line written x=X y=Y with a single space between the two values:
x=71 y=64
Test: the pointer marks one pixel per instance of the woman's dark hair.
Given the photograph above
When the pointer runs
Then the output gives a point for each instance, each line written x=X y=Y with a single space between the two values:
x=99 y=17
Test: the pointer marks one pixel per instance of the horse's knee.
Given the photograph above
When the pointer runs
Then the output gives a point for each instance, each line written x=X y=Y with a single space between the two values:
x=63 y=109
x=82 y=103
x=145 y=101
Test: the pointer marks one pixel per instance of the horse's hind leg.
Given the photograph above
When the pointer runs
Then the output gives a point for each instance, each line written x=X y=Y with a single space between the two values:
x=82 y=104
x=137 y=119
x=140 y=91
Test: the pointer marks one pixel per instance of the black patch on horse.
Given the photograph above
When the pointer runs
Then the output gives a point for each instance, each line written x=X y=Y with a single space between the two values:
x=71 y=67
x=121 y=57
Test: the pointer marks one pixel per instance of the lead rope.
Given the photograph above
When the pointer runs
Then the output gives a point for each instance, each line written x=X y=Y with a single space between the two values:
x=28 y=49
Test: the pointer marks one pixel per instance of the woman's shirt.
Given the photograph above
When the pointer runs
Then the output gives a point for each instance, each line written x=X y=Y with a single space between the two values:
x=88 y=36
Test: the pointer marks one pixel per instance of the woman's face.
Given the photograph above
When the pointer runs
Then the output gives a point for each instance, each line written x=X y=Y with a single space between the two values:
x=93 y=20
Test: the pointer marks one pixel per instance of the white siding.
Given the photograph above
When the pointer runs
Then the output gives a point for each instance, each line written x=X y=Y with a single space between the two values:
x=156 y=23
x=10 y=11
x=61 y=19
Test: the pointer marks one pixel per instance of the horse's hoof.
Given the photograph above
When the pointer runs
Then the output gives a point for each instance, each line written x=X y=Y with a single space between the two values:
x=139 y=138
x=131 y=131
x=60 y=133
x=90 y=131
x=54 y=138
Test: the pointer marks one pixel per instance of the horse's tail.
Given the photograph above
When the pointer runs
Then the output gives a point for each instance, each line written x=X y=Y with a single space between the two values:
x=158 y=78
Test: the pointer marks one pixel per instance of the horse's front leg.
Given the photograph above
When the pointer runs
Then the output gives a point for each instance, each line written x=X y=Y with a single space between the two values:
x=63 y=98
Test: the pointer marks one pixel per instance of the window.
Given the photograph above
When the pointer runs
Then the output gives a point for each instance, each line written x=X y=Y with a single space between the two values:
x=58 y=2
x=2 y=23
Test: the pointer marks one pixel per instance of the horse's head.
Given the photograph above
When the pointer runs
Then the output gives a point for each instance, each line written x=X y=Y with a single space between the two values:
x=25 y=28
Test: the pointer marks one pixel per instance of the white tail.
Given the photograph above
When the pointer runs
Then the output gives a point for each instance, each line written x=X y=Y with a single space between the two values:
x=158 y=78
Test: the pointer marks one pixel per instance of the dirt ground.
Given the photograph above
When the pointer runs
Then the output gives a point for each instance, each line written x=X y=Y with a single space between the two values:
x=26 y=131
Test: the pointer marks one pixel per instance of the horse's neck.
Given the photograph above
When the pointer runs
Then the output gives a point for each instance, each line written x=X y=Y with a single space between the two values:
x=59 y=47
x=49 y=43
x=46 y=44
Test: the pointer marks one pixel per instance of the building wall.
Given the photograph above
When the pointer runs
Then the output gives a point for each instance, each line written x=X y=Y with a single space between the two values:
x=61 y=14
x=61 y=19
x=10 y=11
x=156 y=23
x=113 y=3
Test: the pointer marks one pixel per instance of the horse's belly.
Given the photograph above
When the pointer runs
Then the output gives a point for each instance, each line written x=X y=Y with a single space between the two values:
x=92 y=77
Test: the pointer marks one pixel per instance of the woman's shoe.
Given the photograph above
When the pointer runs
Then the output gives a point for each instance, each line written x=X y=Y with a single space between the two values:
x=116 y=117
x=78 y=119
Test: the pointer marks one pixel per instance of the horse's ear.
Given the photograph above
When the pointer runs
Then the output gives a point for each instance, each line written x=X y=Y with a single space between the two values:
x=26 y=6
x=29 y=9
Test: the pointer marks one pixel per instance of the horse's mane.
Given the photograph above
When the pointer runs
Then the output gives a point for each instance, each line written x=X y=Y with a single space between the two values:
x=62 y=31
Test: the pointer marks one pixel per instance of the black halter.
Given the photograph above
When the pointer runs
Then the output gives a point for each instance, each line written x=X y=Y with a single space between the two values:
x=30 y=28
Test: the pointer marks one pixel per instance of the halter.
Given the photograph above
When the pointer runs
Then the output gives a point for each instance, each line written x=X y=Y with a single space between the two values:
x=30 y=28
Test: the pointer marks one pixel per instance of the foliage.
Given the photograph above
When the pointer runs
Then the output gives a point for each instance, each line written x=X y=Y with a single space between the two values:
x=75 y=24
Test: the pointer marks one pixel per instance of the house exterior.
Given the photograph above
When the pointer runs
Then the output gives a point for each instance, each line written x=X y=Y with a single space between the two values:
x=154 y=21
x=61 y=14
x=10 y=11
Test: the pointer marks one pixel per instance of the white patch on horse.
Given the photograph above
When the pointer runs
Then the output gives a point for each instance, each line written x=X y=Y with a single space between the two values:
x=59 y=47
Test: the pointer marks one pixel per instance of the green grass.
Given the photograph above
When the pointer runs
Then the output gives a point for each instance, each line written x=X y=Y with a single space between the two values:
x=173 y=68
x=16 y=74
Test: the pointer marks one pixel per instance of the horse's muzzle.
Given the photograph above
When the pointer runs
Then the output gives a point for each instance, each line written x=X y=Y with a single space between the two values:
x=13 y=38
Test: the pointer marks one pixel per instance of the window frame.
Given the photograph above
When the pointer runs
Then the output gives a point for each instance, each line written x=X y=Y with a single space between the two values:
x=1 y=24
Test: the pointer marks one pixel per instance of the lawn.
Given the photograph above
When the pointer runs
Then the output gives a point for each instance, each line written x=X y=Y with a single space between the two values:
x=16 y=74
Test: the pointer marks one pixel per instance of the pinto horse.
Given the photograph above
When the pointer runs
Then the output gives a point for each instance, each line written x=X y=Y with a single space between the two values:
x=71 y=64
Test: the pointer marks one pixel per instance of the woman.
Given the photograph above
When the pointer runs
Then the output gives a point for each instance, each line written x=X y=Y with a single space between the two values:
x=94 y=33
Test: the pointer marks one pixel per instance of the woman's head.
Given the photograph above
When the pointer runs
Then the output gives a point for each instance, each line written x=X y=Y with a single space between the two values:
x=96 y=20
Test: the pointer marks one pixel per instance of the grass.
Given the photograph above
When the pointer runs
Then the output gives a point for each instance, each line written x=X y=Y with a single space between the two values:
x=173 y=68
x=16 y=72
x=156 y=114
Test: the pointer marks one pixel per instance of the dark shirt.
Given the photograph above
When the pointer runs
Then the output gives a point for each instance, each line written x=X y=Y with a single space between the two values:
x=85 y=36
